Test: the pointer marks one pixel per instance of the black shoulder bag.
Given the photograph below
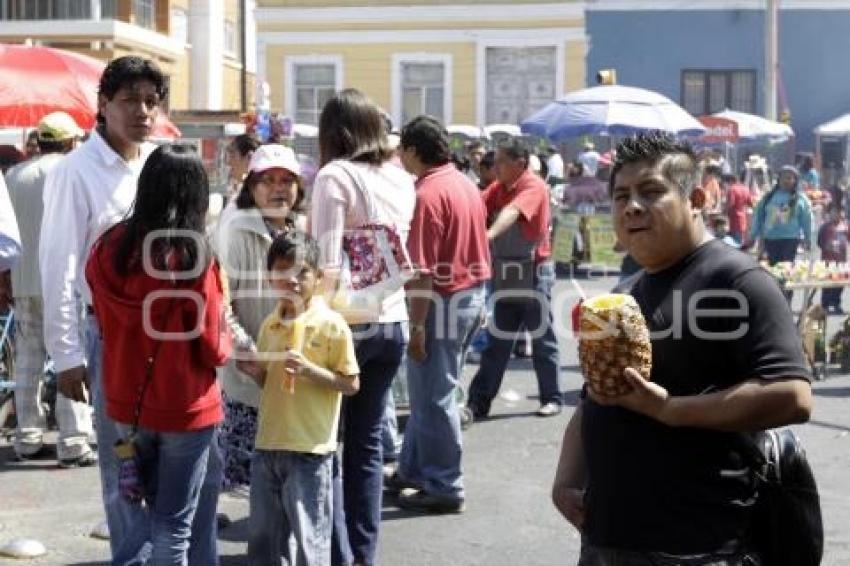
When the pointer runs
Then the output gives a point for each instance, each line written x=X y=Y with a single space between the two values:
x=787 y=527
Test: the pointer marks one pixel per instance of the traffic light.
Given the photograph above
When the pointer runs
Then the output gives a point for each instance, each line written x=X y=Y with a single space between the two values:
x=606 y=77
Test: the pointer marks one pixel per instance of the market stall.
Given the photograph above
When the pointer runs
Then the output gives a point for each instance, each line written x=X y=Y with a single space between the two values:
x=809 y=277
x=613 y=110
x=738 y=135
x=833 y=148
x=585 y=238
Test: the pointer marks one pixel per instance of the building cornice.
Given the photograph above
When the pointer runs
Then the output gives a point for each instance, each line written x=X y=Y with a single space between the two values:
x=393 y=14
x=543 y=35
x=709 y=5
x=94 y=30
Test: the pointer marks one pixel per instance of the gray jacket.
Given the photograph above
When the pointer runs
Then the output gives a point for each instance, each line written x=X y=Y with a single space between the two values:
x=241 y=241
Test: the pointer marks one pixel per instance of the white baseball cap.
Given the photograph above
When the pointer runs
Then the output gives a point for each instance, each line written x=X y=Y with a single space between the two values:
x=274 y=156
x=58 y=126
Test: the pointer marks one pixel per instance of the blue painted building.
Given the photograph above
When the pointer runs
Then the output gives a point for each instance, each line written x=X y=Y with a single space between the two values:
x=709 y=54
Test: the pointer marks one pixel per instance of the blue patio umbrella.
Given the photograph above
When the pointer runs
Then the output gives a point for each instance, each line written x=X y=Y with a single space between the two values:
x=610 y=110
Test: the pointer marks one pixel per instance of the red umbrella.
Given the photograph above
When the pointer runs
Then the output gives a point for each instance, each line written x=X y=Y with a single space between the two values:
x=164 y=129
x=35 y=81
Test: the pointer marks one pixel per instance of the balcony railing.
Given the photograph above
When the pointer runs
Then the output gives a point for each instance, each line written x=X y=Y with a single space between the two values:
x=57 y=9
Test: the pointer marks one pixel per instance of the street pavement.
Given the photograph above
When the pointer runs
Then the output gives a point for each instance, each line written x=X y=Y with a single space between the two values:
x=509 y=462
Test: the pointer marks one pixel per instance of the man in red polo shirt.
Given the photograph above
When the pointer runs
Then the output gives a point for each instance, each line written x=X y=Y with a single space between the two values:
x=523 y=276
x=448 y=245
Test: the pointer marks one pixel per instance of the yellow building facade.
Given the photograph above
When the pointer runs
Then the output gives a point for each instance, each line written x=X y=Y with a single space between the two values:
x=195 y=42
x=475 y=62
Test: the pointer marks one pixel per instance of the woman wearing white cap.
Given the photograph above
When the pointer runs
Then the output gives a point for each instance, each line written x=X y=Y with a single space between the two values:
x=267 y=205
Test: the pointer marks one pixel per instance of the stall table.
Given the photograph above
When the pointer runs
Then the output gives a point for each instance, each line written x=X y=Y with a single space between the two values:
x=810 y=289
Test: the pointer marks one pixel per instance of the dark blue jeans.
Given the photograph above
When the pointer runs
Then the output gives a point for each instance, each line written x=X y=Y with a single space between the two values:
x=379 y=349
x=509 y=317
x=781 y=250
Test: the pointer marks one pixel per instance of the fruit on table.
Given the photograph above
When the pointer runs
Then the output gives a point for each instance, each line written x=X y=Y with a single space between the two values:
x=806 y=272
x=613 y=336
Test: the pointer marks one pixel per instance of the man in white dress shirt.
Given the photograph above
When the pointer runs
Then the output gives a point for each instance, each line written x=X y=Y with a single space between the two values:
x=90 y=191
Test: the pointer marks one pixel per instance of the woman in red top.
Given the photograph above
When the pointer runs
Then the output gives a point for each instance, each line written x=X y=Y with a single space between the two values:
x=158 y=299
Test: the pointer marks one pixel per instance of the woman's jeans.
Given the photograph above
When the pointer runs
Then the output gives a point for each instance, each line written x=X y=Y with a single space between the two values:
x=173 y=467
x=781 y=250
x=290 y=494
x=379 y=349
x=128 y=528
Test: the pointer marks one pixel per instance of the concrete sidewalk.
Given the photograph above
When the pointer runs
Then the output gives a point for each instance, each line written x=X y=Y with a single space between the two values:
x=509 y=462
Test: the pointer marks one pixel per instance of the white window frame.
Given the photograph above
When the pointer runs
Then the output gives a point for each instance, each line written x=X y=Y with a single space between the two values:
x=399 y=59
x=185 y=14
x=481 y=66
x=293 y=61
x=235 y=29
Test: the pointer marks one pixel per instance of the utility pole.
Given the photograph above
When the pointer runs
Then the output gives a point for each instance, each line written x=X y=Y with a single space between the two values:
x=771 y=58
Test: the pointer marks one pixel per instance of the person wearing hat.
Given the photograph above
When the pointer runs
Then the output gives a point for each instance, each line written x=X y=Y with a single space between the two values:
x=782 y=219
x=57 y=134
x=589 y=158
x=268 y=205
x=31 y=148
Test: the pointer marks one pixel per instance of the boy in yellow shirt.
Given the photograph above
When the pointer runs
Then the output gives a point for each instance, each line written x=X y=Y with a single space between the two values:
x=305 y=362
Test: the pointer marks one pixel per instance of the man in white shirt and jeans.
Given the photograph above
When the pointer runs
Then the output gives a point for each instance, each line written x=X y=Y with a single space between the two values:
x=91 y=190
x=56 y=135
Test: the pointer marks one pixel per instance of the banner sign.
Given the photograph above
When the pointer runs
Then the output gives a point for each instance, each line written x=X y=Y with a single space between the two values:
x=601 y=239
x=566 y=226
x=719 y=130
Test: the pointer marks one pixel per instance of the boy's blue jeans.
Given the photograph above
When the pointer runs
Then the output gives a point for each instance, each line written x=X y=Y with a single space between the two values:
x=290 y=493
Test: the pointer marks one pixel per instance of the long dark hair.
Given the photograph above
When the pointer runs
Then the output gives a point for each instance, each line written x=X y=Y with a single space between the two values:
x=173 y=194
x=351 y=127
x=792 y=201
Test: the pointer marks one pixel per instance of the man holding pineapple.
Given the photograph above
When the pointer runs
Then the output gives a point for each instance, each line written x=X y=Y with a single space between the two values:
x=652 y=472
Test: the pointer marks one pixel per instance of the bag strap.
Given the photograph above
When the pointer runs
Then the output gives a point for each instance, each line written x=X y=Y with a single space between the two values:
x=149 y=365
x=354 y=175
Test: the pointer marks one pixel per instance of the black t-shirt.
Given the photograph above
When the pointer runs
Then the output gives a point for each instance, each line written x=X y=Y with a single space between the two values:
x=688 y=490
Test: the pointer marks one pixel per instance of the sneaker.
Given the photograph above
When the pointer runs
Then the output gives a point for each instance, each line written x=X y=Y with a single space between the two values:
x=84 y=461
x=549 y=409
x=396 y=484
x=424 y=502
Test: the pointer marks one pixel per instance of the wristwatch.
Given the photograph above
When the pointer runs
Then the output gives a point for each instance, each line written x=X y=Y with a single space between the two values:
x=414 y=328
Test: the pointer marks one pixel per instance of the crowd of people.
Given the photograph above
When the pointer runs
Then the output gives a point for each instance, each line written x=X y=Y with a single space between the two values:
x=258 y=352
x=233 y=355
